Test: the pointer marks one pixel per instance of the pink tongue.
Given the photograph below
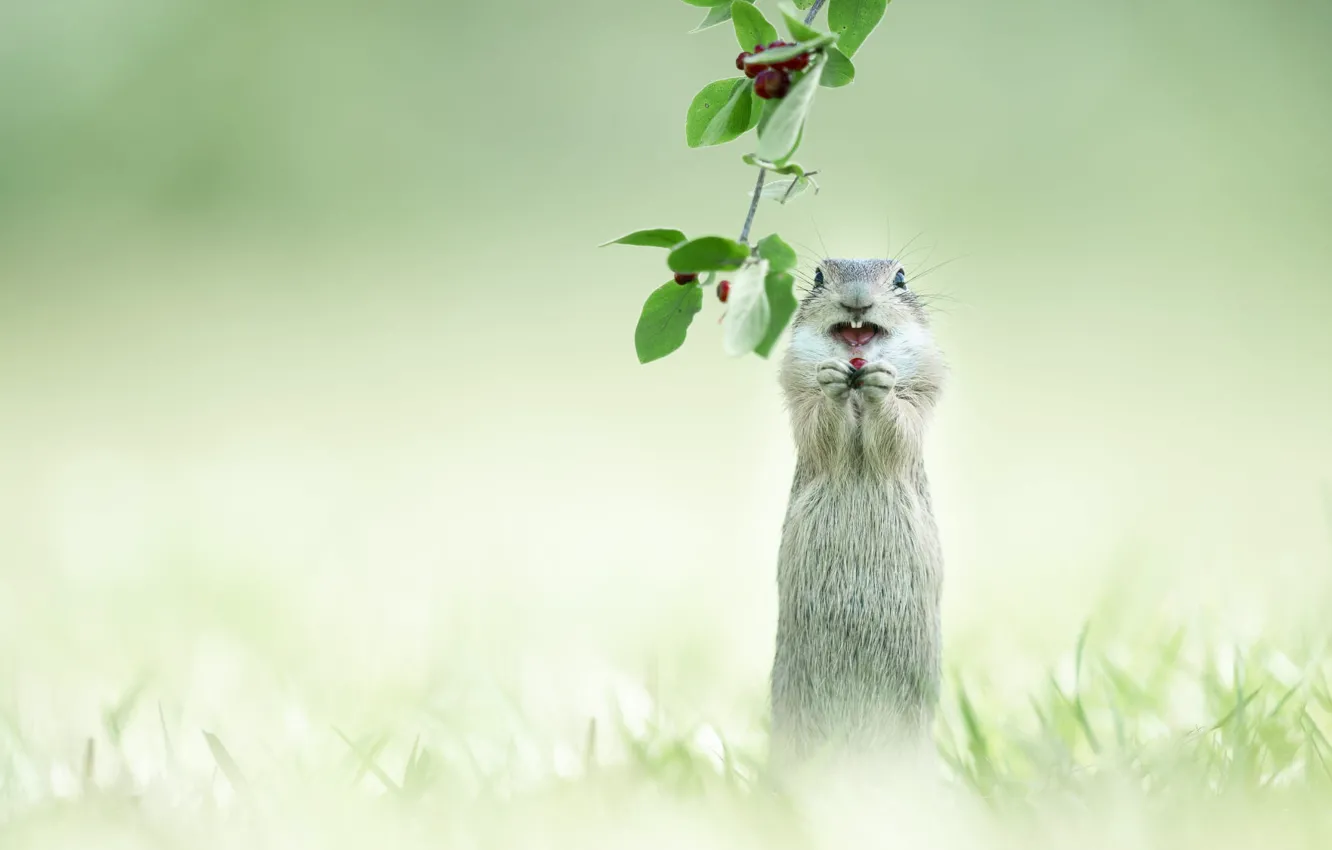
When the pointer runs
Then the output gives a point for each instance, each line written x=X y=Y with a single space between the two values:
x=857 y=336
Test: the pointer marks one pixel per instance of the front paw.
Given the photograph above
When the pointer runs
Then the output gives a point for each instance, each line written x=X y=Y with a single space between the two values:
x=876 y=381
x=834 y=378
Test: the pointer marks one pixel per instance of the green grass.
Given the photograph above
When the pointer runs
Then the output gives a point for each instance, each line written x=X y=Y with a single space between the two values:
x=1178 y=742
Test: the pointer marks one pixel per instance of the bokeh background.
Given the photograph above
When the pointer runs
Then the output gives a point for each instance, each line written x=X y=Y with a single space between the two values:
x=313 y=378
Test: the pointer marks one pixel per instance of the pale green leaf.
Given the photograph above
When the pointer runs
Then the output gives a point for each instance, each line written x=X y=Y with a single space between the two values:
x=781 y=54
x=719 y=14
x=780 y=137
x=747 y=312
x=786 y=190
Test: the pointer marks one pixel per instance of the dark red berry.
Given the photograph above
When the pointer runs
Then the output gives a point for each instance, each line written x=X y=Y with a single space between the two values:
x=758 y=48
x=772 y=84
x=682 y=279
x=753 y=71
x=858 y=362
x=777 y=44
x=799 y=63
x=724 y=290
x=740 y=61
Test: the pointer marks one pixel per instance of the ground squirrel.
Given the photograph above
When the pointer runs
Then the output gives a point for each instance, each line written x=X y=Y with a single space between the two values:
x=859 y=574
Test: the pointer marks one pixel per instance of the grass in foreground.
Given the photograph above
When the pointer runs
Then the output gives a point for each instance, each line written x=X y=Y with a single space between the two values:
x=1157 y=743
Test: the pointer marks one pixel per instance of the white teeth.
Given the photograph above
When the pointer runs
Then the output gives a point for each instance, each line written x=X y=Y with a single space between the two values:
x=856 y=324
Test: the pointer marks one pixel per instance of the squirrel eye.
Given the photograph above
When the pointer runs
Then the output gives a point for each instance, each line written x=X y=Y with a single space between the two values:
x=900 y=278
x=818 y=277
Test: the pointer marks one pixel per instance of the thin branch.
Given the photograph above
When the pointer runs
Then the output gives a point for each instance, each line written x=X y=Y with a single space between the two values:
x=753 y=205
x=763 y=172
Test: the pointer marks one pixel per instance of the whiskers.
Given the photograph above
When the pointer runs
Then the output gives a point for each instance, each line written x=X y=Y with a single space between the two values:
x=804 y=281
x=930 y=300
x=804 y=270
x=913 y=250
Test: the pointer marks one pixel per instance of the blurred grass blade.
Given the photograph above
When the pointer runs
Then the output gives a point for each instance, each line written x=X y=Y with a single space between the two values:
x=1237 y=712
x=368 y=761
x=977 y=743
x=166 y=736
x=1077 y=655
x=590 y=746
x=225 y=762
x=115 y=718
x=89 y=764
x=1281 y=703
x=1316 y=741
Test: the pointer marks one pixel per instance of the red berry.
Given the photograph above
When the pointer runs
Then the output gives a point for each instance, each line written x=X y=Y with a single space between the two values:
x=724 y=290
x=777 y=44
x=758 y=48
x=799 y=63
x=682 y=279
x=753 y=71
x=858 y=362
x=772 y=84
x=740 y=61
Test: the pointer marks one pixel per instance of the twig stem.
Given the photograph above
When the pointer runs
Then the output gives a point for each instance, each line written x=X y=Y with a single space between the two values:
x=753 y=205
x=763 y=172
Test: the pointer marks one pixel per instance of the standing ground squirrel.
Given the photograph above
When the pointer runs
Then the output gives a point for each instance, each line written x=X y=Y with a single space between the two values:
x=860 y=572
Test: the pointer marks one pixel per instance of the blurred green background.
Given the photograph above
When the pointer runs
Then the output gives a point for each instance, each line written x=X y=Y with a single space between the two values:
x=307 y=351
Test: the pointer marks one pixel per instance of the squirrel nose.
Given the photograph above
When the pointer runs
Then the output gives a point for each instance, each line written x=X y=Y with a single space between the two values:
x=857 y=296
x=855 y=309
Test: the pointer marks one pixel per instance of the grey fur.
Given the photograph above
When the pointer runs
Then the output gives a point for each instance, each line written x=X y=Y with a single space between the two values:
x=860 y=571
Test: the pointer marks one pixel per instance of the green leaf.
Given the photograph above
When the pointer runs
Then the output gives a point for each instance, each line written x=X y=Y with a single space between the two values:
x=786 y=168
x=658 y=238
x=782 y=304
x=751 y=28
x=705 y=2
x=803 y=4
x=838 y=70
x=780 y=137
x=796 y=26
x=733 y=119
x=719 y=14
x=854 y=20
x=665 y=320
x=708 y=254
x=780 y=256
x=724 y=102
x=781 y=54
x=747 y=311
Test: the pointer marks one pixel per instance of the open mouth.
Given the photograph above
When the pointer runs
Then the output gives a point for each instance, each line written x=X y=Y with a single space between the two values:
x=857 y=334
